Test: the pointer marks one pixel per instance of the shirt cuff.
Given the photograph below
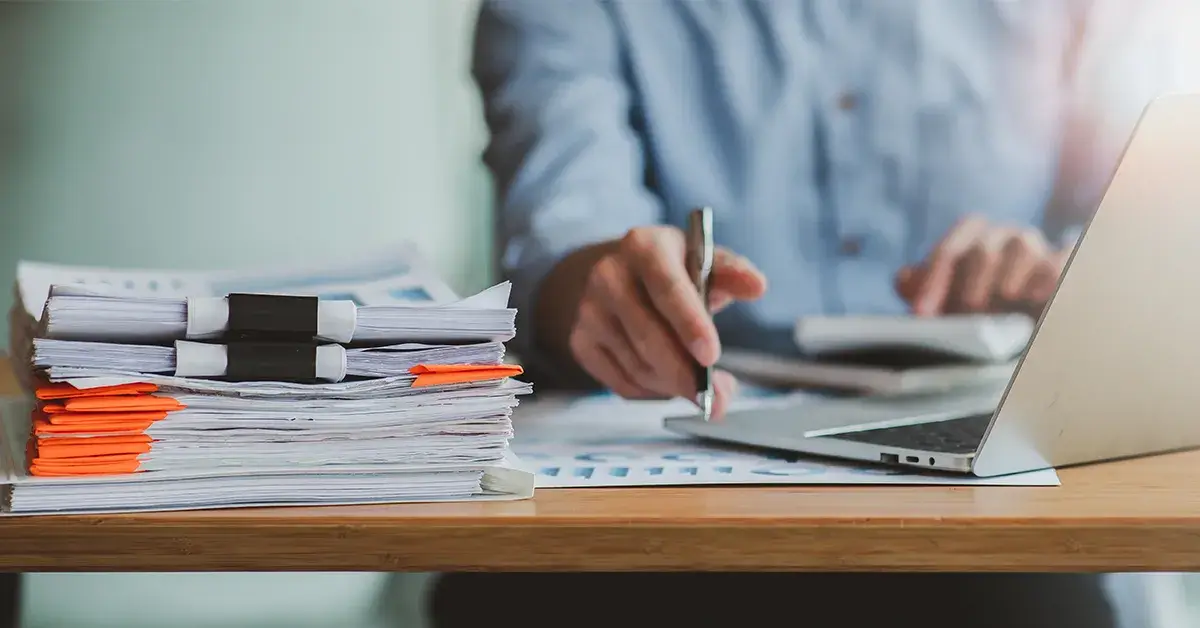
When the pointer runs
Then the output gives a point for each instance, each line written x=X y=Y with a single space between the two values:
x=528 y=274
x=541 y=368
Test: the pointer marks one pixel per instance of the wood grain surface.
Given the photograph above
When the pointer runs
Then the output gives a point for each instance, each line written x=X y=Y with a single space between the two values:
x=1133 y=515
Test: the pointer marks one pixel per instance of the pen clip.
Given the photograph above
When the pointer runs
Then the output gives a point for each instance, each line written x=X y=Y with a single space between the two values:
x=701 y=250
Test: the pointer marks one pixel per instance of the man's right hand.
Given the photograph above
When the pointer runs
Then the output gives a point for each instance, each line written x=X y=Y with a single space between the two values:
x=638 y=325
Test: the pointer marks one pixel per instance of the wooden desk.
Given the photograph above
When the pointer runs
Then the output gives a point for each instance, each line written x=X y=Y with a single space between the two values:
x=1138 y=515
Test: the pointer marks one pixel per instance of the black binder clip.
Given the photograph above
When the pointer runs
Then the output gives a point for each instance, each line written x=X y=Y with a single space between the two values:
x=254 y=361
x=269 y=317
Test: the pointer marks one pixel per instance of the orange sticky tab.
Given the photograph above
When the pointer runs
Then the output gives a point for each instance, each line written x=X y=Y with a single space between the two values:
x=112 y=404
x=89 y=418
x=63 y=390
x=123 y=466
x=71 y=440
x=98 y=428
x=137 y=403
x=109 y=405
x=86 y=452
x=422 y=369
x=441 y=374
x=93 y=460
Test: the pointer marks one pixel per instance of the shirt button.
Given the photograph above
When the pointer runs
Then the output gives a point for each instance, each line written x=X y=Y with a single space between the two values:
x=847 y=101
x=851 y=246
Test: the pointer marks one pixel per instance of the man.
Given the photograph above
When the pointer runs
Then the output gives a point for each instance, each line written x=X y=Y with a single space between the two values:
x=861 y=157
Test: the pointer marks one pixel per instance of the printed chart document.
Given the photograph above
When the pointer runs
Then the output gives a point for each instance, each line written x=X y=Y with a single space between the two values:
x=350 y=382
x=603 y=441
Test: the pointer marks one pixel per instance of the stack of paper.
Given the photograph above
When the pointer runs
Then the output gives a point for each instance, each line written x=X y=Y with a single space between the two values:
x=147 y=400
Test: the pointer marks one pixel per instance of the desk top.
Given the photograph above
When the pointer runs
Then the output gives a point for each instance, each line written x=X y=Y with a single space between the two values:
x=1134 y=515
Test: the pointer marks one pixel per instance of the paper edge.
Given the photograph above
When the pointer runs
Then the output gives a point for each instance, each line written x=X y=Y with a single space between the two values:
x=509 y=477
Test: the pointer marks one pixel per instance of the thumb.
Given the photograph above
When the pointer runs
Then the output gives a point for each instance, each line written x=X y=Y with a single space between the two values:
x=736 y=277
x=726 y=387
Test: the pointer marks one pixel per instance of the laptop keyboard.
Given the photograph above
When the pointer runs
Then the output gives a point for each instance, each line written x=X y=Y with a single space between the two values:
x=955 y=436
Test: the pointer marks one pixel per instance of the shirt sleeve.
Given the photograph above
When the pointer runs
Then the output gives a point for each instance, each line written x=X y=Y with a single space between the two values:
x=567 y=164
x=1123 y=55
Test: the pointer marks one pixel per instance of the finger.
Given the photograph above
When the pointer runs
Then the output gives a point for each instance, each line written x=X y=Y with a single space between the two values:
x=940 y=269
x=737 y=276
x=592 y=342
x=908 y=280
x=657 y=259
x=718 y=301
x=725 y=387
x=608 y=370
x=1041 y=284
x=603 y=366
x=659 y=363
x=965 y=274
x=983 y=270
x=635 y=369
x=1022 y=256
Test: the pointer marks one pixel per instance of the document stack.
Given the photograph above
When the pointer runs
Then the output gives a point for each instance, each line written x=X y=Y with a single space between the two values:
x=366 y=383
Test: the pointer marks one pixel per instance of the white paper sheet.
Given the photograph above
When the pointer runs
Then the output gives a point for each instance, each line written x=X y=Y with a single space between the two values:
x=602 y=441
x=398 y=276
x=106 y=357
x=396 y=294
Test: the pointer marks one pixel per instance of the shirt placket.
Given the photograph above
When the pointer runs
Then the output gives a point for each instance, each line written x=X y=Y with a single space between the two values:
x=857 y=251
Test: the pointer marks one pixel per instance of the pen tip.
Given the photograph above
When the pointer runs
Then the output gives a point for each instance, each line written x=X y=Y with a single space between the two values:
x=706 y=405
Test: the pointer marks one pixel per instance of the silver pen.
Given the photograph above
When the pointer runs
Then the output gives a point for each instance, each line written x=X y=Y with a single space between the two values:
x=700 y=251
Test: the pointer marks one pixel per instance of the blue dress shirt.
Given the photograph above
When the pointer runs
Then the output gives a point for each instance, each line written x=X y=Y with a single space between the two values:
x=836 y=140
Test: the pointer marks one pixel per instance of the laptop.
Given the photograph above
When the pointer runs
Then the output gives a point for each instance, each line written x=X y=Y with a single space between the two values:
x=1112 y=369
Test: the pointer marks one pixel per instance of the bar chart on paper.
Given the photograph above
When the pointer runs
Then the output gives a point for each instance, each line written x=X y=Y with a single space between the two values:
x=607 y=442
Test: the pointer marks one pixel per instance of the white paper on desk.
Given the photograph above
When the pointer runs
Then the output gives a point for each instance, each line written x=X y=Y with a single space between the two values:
x=604 y=441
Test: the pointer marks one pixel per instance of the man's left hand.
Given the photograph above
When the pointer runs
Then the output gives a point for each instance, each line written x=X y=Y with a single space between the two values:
x=980 y=267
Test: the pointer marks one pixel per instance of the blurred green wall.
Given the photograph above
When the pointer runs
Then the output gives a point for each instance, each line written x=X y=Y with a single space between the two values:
x=227 y=133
